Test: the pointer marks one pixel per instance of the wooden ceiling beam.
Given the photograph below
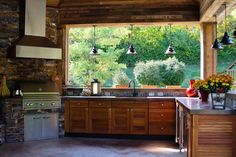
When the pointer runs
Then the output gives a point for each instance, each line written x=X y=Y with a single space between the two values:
x=209 y=8
x=53 y=3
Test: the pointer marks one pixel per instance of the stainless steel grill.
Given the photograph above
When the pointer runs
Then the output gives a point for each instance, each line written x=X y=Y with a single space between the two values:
x=40 y=95
x=39 y=100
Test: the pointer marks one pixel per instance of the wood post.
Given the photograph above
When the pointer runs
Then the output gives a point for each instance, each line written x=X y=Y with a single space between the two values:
x=208 y=55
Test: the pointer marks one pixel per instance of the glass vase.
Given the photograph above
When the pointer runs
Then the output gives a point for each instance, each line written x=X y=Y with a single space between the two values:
x=218 y=100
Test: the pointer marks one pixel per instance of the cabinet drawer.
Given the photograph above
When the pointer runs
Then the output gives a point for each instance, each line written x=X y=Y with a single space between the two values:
x=140 y=104
x=80 y=103
x=162 y=128
x=99 y=103
x=162 y=105
x=122 y=104
x=161 y=115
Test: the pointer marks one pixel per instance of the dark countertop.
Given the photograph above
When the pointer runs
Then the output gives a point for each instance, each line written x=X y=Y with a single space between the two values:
x=196 y=106
x=115 y=97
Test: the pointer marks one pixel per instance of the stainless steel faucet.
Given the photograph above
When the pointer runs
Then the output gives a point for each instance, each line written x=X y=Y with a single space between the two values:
x=134 y=91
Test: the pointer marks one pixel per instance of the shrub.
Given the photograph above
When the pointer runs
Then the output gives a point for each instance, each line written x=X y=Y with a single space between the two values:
x=167 y=72
x=148 y=73
x=120 y=78
x=173 y=72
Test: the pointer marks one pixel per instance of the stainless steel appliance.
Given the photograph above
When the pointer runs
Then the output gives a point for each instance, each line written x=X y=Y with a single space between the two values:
x=32 y=42
x=41 y=101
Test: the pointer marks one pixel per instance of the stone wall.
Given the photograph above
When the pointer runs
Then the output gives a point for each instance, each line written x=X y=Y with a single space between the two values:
x=24 y=69
x=14 y=117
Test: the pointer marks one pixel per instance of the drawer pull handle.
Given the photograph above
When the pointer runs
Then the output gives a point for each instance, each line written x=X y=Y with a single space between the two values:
x=162 y=115
x=162 y=128
x=99 y=104
x=162 y=105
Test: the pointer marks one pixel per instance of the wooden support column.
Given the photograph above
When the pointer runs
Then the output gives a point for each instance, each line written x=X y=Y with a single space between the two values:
x=208 y=55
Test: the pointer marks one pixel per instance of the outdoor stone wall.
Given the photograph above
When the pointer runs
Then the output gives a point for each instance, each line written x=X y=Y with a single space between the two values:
x=24 y=69
x=14 y=119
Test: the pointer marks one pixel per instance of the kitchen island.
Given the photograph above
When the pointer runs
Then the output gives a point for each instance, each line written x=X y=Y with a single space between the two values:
x=204 y=131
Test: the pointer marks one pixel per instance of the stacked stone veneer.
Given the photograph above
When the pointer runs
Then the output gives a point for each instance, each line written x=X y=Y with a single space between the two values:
x=14 y=120
x=2 y=133
x=24 y=69
x=13 y=129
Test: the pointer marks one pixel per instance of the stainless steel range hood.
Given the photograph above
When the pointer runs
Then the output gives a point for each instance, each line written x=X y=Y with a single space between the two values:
x=32 y=42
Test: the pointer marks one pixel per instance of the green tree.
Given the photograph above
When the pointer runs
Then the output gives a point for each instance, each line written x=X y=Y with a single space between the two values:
x=82 y=66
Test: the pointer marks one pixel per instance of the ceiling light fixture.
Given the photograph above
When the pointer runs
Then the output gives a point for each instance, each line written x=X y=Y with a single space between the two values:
x=94 y=50
x=226 y=39
x=216 y=45
x=131 y=50
x=170 y=50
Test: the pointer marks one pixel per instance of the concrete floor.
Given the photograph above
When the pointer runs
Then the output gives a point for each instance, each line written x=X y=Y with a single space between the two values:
x=89 y=147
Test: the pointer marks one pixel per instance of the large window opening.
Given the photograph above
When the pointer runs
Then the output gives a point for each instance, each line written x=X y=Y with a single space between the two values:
x=114 y=65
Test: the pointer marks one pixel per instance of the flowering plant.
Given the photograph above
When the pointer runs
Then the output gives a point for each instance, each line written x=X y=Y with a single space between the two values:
x=215 y=83
x=201 y=85
x=220 y=83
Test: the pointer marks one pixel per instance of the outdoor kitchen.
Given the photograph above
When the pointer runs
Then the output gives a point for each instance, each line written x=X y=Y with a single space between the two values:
x=117 y=78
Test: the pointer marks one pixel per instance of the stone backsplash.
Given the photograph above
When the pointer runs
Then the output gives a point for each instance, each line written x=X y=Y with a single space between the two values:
x=24 y=69
x=142 y=92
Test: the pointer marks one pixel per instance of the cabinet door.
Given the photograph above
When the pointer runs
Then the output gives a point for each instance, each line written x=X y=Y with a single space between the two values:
x=78 y=119
x=49 y=125
x=67 y=115
x=99 y=120
x=161 y=121
x=32 y=127
x=139 y=121
x=120 y=120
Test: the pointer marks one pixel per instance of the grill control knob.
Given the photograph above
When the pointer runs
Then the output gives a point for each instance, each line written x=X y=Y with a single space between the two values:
x=42 y=104
x=29 y=104
x=53 y=104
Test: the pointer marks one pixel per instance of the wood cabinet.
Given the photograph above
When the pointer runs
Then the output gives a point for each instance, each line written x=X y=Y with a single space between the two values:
x=120 y=117
x=162 y=118
x=129 y=117
x=100 y=117
x=104 y=116
x=139 y=121
x=120 y=121
x=78 y=117
x=207 y=135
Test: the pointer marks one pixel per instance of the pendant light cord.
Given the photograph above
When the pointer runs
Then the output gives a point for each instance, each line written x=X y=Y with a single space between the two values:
x=170 y=35
x=94 y=35
x=216 y=25
x=131 y=33
x=225 y=19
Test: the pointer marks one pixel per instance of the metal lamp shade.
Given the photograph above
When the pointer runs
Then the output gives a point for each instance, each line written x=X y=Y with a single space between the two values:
x=94 y=51
x=131 y=50
x=226 y=39
x=170 y=50
x=216 y=45
x=234 y=33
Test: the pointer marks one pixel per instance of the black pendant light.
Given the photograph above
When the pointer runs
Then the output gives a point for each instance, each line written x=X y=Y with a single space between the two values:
x=170 y=50
x=131 y=50
x=216 y=45
x=94 y=50
x=226 y=39
x=234 y=33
